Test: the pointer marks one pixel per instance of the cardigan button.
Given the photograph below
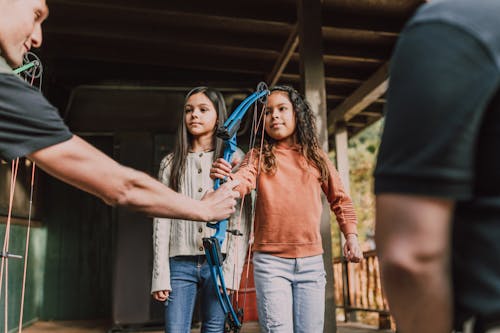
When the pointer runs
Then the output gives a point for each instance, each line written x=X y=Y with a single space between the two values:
x=201 y=248
x=199 y=170
x=200 y=230
x=200 y=189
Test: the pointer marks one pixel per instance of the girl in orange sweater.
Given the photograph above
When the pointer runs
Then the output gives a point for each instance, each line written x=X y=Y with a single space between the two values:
x=288 y=264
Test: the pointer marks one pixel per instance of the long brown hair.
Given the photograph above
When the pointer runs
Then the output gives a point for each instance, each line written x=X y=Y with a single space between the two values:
x=183 y=139
x=305 y=136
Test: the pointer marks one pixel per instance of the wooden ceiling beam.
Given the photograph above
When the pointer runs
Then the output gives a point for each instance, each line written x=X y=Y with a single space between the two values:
x=286 y=53
x=108 y=14
x=370 y=113
x=374 y=53
x=124 y=55
x=352 y=58
x=204 y=37
x=366 y=94
x=337 y=60
x=349 y=19
x=275 y=10
x=110 y=45
x=387 y=8
x=361 y=35
x=328 y=80
x=356 y=124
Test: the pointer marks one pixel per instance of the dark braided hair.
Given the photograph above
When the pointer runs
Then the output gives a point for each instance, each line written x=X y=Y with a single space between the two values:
x=305 y=135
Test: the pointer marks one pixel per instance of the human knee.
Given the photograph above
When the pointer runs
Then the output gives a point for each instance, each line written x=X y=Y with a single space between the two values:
x=397 y=268
x=412 y=262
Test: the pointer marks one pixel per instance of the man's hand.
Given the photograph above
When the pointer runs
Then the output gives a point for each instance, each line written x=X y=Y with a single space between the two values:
x=161 y=295
x=220 y=204
x=352 y=252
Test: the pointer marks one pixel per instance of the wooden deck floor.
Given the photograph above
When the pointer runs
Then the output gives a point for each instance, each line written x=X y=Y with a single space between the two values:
x=101 y=327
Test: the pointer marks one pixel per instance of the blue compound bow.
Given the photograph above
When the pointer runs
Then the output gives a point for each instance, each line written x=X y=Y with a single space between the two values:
x=213 y=244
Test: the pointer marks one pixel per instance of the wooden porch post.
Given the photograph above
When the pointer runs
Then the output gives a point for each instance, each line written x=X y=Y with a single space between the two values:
x=341 y=147
x=313 y=86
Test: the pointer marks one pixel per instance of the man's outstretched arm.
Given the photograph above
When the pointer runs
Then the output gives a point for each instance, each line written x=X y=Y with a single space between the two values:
x=78 y=163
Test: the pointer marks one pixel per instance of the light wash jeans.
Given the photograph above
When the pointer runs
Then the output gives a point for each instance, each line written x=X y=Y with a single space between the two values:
x=190 y=275
x=290 y=293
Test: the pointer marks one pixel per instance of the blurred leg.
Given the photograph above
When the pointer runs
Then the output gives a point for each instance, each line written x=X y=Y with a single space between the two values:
x=413 y=245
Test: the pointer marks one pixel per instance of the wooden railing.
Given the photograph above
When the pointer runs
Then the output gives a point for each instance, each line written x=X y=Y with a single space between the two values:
x=358 y=288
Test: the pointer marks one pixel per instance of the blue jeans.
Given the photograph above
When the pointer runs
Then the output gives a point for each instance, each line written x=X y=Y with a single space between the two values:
x=190 y=275
x=290 y=293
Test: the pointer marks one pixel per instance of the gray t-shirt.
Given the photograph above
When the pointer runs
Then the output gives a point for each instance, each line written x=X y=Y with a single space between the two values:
x=28 y=122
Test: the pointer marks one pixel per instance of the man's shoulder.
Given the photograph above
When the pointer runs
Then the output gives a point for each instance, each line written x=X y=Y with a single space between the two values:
x=13 y=82
x=10 y=78
x=17 y=95
x=478 y=18
x=461 y=12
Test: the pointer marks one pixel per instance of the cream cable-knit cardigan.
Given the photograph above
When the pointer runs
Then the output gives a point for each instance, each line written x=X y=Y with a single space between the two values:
x=179 y=237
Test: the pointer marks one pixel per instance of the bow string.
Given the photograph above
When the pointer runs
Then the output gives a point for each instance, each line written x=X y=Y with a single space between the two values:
x=31 y=71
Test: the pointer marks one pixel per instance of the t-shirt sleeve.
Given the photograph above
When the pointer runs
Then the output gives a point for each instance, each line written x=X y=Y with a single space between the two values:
x=28 y=122
x=433 y=114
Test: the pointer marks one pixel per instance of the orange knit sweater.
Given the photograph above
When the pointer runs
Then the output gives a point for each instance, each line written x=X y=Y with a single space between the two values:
x=288 y=207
